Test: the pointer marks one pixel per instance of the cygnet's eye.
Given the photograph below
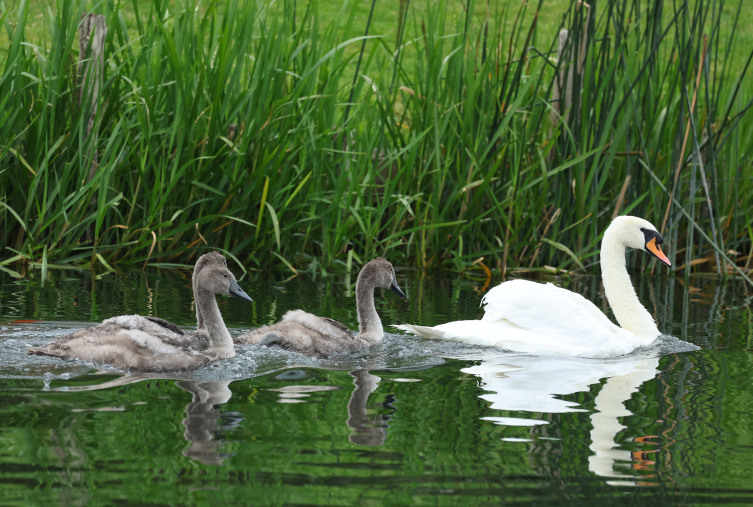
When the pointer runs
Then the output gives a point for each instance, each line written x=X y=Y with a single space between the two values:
x=225 y=276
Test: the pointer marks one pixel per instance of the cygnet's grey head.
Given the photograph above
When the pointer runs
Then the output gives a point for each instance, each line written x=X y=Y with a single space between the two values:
x=381 y=274
x=208 y=259
x=217 y=279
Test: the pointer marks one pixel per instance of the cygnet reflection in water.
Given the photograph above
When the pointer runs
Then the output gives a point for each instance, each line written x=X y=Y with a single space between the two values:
x=204 y=421
x=368 y=429
x=534 y=384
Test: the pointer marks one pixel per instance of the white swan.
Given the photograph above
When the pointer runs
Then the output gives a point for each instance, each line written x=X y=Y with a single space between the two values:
x=544 y=319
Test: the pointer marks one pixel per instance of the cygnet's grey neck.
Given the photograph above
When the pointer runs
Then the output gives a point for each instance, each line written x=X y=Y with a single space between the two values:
x=369 y=324
x=620 y=292
x=220 y=339
x=199 y=318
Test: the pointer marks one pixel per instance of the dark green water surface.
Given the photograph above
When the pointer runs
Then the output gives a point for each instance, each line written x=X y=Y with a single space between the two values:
x=411 y=422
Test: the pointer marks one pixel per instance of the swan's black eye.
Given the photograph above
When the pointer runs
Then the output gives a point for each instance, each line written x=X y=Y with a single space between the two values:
x=649 y=234
x=225 y=276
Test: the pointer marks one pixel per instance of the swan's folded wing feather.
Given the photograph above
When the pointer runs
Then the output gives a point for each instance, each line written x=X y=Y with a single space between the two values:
x=322 y=325
x=193 y=341
x=549 y=311
x=167 y=325
x=297 y=337
x=251 y=337
x=339 y=325
x=125 y=348
x=166 y=332
x=152 y=325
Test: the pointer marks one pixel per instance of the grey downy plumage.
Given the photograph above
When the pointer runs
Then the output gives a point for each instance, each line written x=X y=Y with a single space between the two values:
x=321 y=337
x=151 y=344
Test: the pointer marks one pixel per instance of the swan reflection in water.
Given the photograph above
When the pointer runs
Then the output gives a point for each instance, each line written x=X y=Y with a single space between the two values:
x=514 y=383
x=533 y=384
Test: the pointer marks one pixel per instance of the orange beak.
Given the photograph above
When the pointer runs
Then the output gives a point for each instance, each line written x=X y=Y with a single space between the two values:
x=652 y=247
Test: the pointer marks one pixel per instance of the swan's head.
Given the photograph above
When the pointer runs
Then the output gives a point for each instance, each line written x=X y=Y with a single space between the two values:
x=637 y=233
x=380 y=273
x=217 y=279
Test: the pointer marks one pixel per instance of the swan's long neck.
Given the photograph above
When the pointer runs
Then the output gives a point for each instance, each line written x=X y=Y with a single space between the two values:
x=609 y=407
x=369 y=324
x=625 y=304
x=221 y=341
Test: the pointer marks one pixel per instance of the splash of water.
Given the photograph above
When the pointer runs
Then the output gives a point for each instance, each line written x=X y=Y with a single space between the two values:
x=395 y=352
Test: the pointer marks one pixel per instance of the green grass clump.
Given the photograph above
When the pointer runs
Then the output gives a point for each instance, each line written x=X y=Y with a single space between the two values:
x=289 y=141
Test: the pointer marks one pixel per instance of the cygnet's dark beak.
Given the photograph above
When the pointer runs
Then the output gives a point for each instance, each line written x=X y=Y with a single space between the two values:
x=396 y=289
x=236 y=291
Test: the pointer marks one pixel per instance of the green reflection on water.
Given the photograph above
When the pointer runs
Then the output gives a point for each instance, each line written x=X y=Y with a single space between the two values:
x=643 y=431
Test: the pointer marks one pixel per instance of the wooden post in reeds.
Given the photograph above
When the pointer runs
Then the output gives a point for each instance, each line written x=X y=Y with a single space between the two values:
x=562 y=94
x=557 y=94
x=90 y=73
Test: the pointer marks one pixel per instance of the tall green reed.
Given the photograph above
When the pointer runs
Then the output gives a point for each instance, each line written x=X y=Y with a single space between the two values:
x=288 y=142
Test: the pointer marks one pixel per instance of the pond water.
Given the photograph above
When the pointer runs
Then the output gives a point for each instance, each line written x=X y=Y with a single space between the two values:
x=411 y=422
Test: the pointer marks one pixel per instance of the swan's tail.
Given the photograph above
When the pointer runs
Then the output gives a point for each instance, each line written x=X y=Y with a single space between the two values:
x=422 y=331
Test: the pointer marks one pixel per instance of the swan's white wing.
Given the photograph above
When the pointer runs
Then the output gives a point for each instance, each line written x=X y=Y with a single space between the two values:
x=564 y=322
x=523 y=301
x=538 y=318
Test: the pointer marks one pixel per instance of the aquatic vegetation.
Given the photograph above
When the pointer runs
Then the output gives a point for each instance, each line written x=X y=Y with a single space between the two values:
x=465 y=143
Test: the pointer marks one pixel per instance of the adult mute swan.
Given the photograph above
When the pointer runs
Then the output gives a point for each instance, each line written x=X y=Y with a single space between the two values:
x=321 y=337
x=138 y=343
x=537 y=318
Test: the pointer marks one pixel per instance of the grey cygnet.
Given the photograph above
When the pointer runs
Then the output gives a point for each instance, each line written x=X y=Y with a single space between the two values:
x=321 y=337
x=151 y=344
